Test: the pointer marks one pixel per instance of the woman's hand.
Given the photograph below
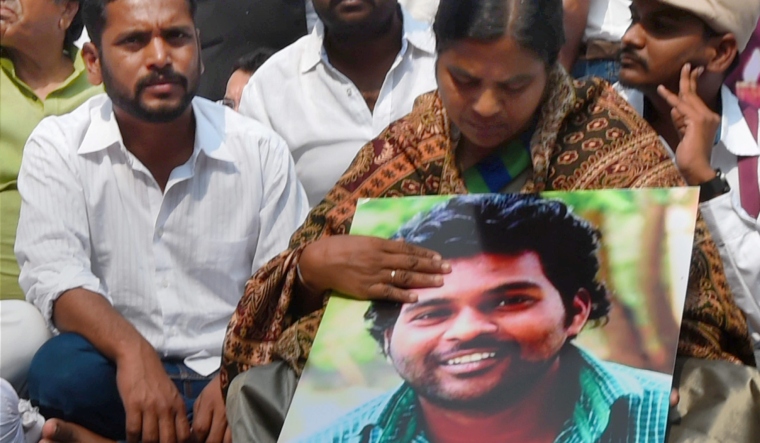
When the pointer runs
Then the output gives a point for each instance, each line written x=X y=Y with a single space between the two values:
x=370 y=268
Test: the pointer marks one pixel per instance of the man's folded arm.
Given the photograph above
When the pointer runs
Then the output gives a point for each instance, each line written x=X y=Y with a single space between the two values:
x=52 y=243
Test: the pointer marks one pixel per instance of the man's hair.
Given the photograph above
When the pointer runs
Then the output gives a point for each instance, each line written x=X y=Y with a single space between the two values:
x=507 y=224
x=534 y=24
x=94 y=15
x=252 y=61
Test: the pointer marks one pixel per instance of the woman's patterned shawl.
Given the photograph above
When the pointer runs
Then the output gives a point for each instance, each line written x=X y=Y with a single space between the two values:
x=587 y=137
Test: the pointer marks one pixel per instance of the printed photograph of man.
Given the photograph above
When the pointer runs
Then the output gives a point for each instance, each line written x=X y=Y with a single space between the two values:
x=490 y=355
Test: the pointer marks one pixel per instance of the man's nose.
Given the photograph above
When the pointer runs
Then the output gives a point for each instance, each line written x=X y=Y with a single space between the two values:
x=470 y=323
x=159 y=53
x=634 y=36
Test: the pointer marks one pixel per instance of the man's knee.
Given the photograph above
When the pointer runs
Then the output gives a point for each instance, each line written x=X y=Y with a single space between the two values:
x=68 y=373
x=258 y=400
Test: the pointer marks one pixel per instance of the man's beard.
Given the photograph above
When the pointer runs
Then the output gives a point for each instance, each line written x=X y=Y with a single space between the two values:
x=134 y=106
x=507 y=392
x=362 y=31
x=501 y=397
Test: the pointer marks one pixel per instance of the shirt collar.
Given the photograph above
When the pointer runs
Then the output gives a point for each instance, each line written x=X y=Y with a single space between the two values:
x=734 y=130
x=634 y=97
x=103 y=131
x=76 y=56
x=600 y=389
x=415 y=32
x=401 y=411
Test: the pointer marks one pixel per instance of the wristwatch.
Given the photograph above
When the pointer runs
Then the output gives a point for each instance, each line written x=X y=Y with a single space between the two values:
x=714 y=187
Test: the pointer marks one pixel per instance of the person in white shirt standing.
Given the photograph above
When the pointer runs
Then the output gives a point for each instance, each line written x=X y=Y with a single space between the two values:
x=143 y=214
x=675 y=58
x=332 y=91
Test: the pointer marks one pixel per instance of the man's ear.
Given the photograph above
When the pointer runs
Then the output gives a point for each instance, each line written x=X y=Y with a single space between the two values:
x=581 y=309
x=70 y=9
x=387 y=342
x=91 y=58
x=725 y=50
x=200 y=53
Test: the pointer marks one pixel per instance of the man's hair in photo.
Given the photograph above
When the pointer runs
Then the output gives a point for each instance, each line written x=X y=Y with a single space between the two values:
x=252 y=61
x=534 y=24
x=94 y=15
x=507 y=224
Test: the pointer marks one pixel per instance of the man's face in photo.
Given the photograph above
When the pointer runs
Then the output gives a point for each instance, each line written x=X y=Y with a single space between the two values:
x=492 y=330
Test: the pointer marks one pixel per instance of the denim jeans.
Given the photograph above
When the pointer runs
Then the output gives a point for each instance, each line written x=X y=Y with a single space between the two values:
x=606 y=69
x=71 y=380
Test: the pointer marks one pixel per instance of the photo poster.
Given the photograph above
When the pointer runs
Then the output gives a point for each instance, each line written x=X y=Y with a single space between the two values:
x=644 y=256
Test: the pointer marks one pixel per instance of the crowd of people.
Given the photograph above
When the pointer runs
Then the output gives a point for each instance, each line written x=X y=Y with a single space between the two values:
x=176 y=188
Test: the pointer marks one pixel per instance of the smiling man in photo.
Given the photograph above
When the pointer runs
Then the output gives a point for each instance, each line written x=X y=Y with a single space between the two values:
x=489 y=355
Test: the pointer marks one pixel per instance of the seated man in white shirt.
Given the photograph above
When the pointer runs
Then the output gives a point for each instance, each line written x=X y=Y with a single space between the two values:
x=335 y=89
x=144 y=212
x=675 y=58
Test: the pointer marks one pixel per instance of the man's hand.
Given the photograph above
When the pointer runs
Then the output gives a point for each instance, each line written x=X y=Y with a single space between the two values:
x=369 y=268
x=697 y=125
x=154 y=408
x=210 y=416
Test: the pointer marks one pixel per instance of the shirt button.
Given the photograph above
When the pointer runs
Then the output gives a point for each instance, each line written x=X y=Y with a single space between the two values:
x=349 y=92
x=159 y=232
x=165 y=283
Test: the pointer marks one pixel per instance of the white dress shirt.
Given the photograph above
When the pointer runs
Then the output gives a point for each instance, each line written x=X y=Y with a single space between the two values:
x=321 y=113
x=174 y=263
x=736 y=233
x=422 y=10
x=607 y=20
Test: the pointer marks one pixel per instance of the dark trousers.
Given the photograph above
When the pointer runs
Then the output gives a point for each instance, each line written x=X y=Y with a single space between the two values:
x=69 y=379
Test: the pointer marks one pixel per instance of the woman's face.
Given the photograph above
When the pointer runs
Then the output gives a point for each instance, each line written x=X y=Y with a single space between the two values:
x=491 y=89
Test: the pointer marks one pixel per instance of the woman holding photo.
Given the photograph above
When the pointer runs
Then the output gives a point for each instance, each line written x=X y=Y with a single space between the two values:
x=506 y=118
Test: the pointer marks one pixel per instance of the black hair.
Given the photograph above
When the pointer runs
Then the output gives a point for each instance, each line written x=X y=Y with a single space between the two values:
x=252 y=61
x=508 y=224
x=534 y=24
x=94 y=16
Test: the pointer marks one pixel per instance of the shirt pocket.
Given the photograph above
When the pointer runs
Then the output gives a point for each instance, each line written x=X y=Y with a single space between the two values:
x=223 y=265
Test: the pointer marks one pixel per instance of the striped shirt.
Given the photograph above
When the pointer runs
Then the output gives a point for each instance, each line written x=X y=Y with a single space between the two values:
x=617 y=404
x=173 y=263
